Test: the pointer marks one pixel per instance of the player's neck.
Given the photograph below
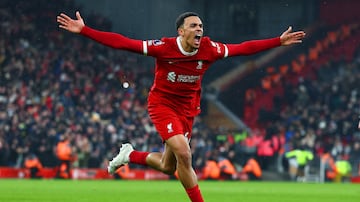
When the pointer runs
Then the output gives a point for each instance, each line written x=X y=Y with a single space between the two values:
x=184 y=48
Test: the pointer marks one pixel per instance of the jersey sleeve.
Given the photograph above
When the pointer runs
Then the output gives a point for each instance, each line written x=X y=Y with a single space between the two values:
x=113 y=40
x=218 y=50
x=252 y=47
x=155 y=47
x=212 y=50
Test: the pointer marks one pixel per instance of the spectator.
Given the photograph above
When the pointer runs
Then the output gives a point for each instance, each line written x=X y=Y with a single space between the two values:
x=4 y=152
x=354 y=158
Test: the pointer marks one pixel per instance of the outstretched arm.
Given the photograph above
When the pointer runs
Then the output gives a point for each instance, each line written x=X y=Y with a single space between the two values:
x=110 y=39
x=255 y=46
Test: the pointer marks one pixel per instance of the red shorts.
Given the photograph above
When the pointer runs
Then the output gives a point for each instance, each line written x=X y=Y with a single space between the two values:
x=168 y=123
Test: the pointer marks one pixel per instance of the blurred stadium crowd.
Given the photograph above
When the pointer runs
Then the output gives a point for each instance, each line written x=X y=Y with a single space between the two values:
x=54 y=85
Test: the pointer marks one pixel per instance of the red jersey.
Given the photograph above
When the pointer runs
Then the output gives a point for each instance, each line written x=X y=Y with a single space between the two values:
x=178 y=74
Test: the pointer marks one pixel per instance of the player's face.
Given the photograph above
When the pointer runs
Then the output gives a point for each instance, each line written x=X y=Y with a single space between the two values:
x=191 y=33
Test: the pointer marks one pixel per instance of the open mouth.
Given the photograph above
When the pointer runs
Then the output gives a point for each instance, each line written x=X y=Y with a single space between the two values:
x=197 y=39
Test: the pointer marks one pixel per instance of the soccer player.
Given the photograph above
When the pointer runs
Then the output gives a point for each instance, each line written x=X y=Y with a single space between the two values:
x=174 y=98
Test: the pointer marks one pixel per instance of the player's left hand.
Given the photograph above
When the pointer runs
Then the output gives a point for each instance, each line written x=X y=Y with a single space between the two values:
x=289 y=38
x=69 y=24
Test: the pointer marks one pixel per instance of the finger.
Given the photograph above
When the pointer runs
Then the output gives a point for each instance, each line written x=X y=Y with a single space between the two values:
x=78 y=16
x=60 y=19
x=299 y=33
x=65 y=17
x=298 y=36
x=297 y=41
x=288 y=30
x=63 y=27
x=61 y=22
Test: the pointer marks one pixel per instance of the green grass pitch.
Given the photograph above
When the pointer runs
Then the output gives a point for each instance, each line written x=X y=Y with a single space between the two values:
x=171 y=191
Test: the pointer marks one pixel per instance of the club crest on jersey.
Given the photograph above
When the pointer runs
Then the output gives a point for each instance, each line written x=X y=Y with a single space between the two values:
x=169 y=127
x=155 y=42
x=200 y=64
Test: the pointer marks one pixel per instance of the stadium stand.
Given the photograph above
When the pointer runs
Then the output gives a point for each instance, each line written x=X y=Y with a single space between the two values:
x=53 y=84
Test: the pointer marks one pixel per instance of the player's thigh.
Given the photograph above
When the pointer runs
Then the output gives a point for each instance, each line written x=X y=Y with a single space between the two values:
x=179 y=146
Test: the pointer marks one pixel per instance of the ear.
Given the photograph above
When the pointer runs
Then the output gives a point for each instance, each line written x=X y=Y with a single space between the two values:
x=180 y=32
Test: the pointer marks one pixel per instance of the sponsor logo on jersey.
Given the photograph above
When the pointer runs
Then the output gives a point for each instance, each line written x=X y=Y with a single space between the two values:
x=182 y=78
x=187 y=78
x=171 y=76
x=216 y=45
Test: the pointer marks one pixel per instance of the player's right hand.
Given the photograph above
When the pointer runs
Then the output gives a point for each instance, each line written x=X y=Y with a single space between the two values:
x=69 y=24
